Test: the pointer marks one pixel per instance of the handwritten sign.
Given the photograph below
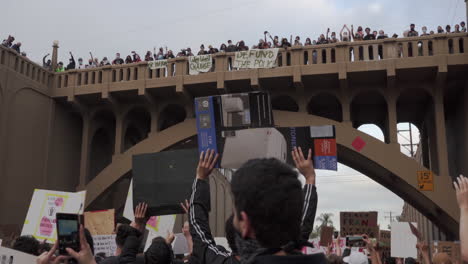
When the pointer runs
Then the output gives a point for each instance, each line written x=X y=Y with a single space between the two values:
x=452 y=249
x=425 y=181
x=385 y=238
x=45 y=204
x=201 y=63
x=100 y=222
x=358 y=223
x=157 y=64
x=255 y=59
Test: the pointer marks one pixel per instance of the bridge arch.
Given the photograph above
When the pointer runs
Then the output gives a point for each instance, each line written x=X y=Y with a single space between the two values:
x=382 y=163
x=137 y=125
x=326 y=105
x=284 y=103
x=372 y=110
x=171 y=115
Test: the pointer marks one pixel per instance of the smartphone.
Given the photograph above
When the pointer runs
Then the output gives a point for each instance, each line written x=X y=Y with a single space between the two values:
x=68 y=232
x=355 y=241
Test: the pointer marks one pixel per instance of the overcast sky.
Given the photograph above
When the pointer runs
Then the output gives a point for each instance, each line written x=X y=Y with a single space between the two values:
x=106 y=27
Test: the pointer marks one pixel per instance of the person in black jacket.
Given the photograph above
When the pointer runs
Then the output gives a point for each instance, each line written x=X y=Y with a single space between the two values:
x=205 y=250
x=269 y=208
x=72 y=64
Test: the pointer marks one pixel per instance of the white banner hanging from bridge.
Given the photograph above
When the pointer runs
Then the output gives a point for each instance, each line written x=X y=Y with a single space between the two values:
x=201 y=63
x=157 y=64
x=255 y=59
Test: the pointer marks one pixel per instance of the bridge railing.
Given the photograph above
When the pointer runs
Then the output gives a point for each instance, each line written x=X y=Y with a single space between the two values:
x=23 y=66
x=341 y=52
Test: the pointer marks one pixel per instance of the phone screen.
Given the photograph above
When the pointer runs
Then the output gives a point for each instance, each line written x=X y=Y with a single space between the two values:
x=68 y=232
x=354 y=241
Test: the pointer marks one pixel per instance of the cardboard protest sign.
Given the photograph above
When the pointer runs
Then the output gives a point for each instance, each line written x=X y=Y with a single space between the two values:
x=452 y=249
x=157 y=64
x=104 y=244
x=100 y=222
x=403 y=241
x=11 y=256
x=164 y=224
x=40 y=220
x=230 y=124
x=164 y=179
x=326 y=236
x=201 y=63
x=359 y=223
x=425 y=181
x=255 y=59
x=385 y=238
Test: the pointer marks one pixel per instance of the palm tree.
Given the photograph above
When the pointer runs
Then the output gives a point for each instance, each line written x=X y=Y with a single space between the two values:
x=325 y=219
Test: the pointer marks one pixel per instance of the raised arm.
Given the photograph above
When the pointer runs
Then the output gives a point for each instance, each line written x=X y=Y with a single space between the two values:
x=71 y=55
x=44 y=59
x=424 y=250
x=306 y=168
x=461 y=188
x=352 y=32
x=204 y=246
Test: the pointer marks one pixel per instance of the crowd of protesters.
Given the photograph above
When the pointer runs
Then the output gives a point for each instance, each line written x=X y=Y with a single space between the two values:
x=346 y=34
x=268 y=226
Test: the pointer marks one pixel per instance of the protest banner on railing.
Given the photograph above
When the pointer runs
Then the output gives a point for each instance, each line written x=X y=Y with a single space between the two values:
x=255 y=59
x=157 y=64
x=40 y=220
x=201 y=63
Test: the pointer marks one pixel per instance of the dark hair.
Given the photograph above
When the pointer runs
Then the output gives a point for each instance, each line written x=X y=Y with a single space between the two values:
x=159 y=252
x=123 y=231
x=89 y=239
x=334 y=259
x=410 y=260
x=27 y=244
x=230 y=234
x=269 y=192
x=346 y=252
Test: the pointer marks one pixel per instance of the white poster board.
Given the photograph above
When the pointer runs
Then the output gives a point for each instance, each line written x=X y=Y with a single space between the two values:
x=180 y=245
x=403 y=241
x=201 y=63
x=157 y=64
x=45 y=204
x=255 y=59
x=104 y=244
x=156 y=225
x=10 y=256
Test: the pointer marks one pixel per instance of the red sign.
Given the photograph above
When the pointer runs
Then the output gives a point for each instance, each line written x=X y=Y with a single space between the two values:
x=325 y=147
x=358 y=144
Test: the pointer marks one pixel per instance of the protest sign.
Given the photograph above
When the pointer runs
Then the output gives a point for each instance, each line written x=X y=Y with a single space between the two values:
x=384 y=239
x=104 y=244
x=326 y=236
x=100 y=222
x=255 y=59
x=164 y=225
x=201 y=63
x=403 y=241
x=452 y=249
x=40 y=220
x=230 y=124
x=358 y=223
x=11 y=256
x=180 y=245
x=157 y=64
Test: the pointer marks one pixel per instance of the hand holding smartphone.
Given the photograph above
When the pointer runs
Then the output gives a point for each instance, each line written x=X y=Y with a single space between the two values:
x=68 y=227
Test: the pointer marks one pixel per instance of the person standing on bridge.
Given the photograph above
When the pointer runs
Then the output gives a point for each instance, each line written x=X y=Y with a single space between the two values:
x=412 y=32
x=72 y=64
x=117 y=60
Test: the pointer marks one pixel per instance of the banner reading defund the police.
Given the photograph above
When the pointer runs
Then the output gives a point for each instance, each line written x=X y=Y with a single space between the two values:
x=255 y=58
x=201 y=63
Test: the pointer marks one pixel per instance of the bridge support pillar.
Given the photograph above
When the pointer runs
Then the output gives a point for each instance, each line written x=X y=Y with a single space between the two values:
x=439 y=121
x=85 y=143
x=119 y=134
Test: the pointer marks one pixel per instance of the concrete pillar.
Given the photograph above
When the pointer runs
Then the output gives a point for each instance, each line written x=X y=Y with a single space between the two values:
x=55 y=47
x=439 y=122
x=86 y=138
x=391 y=126
x=119 y=134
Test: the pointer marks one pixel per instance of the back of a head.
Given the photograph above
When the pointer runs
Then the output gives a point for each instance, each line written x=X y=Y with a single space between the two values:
x=441 y=258
x=159 y=252
x=410 y=260
x=334 y=259
x=122 y=233
x=27 y=244
x=269 y=192
x=231 y=234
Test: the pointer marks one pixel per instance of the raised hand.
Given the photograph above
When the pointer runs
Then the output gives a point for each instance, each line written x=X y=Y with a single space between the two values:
x=170 y=238
x=50 y=258
x=185 y=206
x=140 y=217
x=85 y=256
x=305 y=166
x=461 y=188
x=206 y=164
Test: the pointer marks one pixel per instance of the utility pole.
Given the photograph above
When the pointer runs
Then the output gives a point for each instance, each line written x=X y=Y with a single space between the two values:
x=389 y=215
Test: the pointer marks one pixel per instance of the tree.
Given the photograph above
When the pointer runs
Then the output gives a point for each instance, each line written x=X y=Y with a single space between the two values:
x=325 y=219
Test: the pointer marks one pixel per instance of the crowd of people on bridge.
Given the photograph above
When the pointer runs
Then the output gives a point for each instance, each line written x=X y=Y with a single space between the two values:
x=271 y=222
x=346 y=34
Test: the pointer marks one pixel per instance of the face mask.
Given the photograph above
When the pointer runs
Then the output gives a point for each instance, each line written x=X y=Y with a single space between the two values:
x=246 y=248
